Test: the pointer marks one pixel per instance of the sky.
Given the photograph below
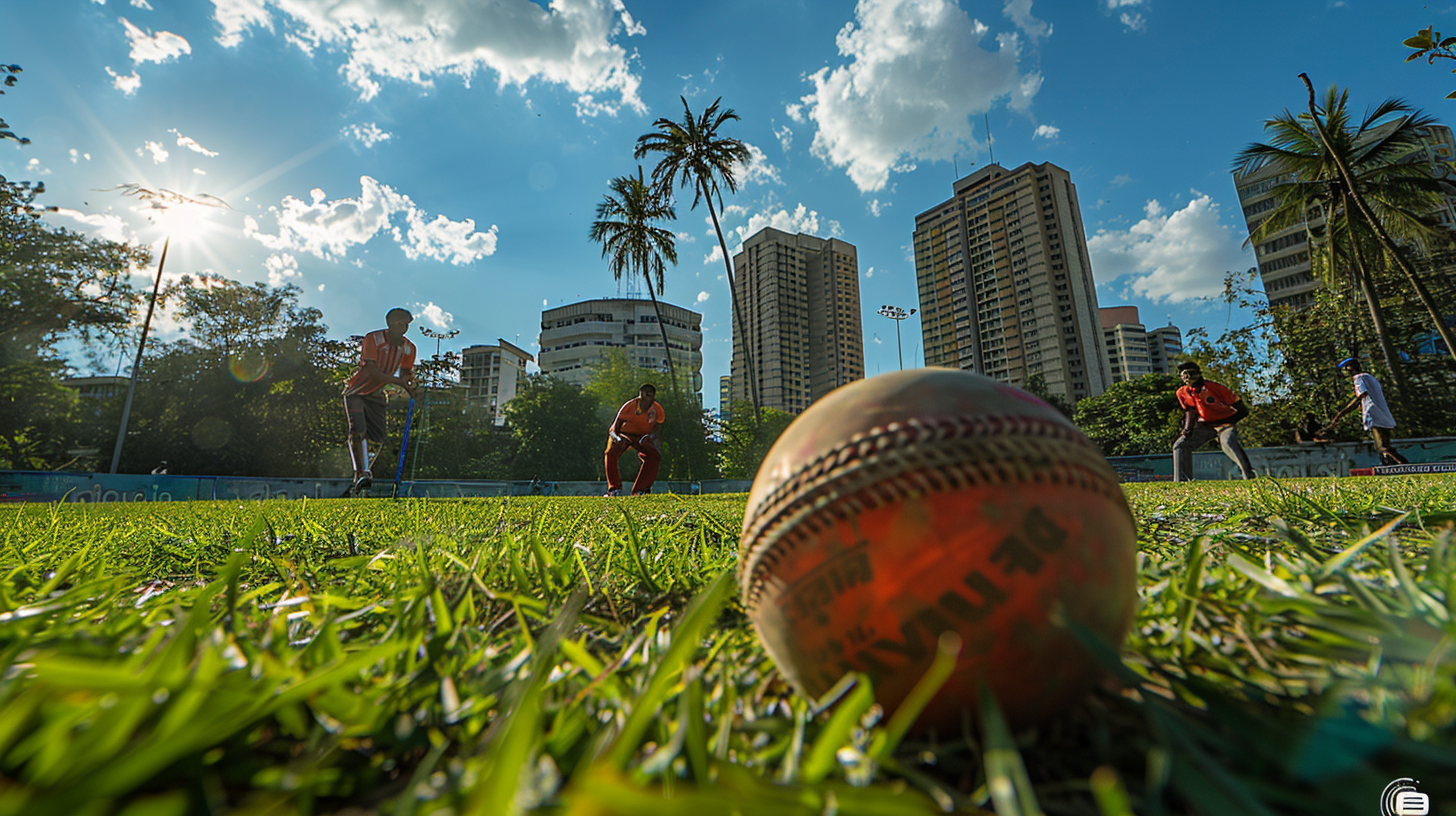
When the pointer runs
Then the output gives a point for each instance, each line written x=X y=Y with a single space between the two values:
x=448 y=155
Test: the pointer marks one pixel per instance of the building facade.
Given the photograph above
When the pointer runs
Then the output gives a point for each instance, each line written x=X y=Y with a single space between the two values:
x=1005 y=282
x=1283 y=257
x=1132 y=349
x=575 y=336
x=800 y=300
x=491 y=375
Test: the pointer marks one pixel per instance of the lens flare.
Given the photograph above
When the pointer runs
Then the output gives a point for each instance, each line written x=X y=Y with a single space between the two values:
x=249 y=366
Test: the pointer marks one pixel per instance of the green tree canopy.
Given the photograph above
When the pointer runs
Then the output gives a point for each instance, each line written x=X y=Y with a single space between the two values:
x=1133 y=417
x=688 y=452
x=746 y=442
x=558 y=429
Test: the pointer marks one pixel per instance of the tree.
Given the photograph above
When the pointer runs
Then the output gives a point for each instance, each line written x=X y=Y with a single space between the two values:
x=688 y=452
x=630 y=241
x=55 y=286
x=1396 y=194
x=559 y=433
x=9 y=72
x=1133 y=417
x=1037 y=387
x=747 y=440
x=694 y=154
x=1429 y=43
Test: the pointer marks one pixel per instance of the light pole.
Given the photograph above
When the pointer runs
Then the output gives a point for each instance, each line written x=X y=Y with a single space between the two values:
x=896 y=314
x=183 y=211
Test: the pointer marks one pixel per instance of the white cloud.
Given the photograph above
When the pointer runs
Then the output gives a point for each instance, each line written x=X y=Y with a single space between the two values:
x=280 y=266
x=198 y=171
x=105 y=227
x=795 y=112
x=1175 y=256
x=738 y=225
x=191 y=144
x=159 y=153
x=33 y=167
x=703 y=296
x=1019 y=12
x=758 y=170
x=1047 y=132
x=785 y=135
x=75 y=154
x=434 y=315
x=870 y=273
x=685 y=237
x=369 y=134
x=916 y=75
x=142 y=4
x=571 y=43
x=126 y=84
x=328 y=229
x=146 y=47
x=1131 y=19
x=877 y=207
x=1120 y=179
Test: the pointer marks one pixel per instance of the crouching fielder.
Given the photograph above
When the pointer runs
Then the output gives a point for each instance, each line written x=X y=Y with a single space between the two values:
x=638 y=425
x=385 y=357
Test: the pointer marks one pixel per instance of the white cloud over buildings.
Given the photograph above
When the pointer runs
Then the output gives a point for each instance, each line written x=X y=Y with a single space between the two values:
x=159 y=47
x=572 y=43
x=917 y=71
x=367 y=134
x=1170 y=256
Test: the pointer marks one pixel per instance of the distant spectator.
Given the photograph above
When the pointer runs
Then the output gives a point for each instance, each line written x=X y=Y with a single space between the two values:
x=1209 y=410
x=1374 y=412
x=1309 y=430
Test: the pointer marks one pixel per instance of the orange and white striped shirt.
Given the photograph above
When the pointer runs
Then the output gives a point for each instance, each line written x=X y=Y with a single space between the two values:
x=376 y=348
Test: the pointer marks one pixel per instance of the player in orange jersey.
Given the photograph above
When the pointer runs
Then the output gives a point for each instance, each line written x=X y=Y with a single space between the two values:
x=638 y=425
x=386 y=357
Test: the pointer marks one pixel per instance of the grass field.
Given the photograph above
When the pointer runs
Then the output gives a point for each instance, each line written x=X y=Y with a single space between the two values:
x=1292 y=654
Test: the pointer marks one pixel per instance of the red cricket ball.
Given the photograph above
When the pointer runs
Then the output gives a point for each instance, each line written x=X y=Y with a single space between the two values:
x=910 y=504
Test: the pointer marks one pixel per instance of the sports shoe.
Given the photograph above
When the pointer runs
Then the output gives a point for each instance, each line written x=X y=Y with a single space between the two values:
x=362 y=484
x=612 y=494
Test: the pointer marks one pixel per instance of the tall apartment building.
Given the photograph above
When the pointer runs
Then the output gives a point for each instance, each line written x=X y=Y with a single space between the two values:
x=576 y=335
x=1133 y=350
x=491 y=375
x=800 y=300
x=1005 y=282
x=725 y=397
x=1283 y=258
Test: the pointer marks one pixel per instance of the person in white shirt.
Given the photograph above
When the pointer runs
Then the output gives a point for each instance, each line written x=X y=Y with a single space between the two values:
x=1374 y=411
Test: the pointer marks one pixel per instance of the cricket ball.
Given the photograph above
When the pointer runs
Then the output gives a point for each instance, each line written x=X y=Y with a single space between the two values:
x=911 y=504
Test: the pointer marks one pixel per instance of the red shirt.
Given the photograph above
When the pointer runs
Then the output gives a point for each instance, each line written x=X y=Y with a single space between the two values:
x=1213 y=402
x=375 y=348
x=637 y=421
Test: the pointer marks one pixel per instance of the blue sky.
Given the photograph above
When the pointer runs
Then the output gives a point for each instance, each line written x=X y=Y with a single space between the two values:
x=447 y=155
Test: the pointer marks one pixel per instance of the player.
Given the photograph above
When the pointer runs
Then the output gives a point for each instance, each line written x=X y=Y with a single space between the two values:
x=382 y=353
x=1209 y=410
x=1374 y=411
x=638 y=425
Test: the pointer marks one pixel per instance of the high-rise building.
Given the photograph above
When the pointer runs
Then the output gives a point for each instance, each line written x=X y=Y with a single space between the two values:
x=800 y=299
x=1283 y=257
x=725 y=397
x=575 y=336
x=1132 y=349
x=1005 y=282
x=1165 y=344
x=491 y=375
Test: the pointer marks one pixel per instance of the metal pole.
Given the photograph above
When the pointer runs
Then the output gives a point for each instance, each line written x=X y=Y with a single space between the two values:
x=136 y=365
x=899 y=352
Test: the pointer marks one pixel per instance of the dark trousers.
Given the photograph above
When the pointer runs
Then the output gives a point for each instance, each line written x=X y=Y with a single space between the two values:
x=1388 y=454
x=1201 y=433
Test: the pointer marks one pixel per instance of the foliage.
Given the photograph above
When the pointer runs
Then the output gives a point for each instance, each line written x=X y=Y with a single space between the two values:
x=1133 y=417
x=558 y=430
x=1429 y=43
x=688 y=452
x=746 y=442
x=632 y=243
x=1289 y=655
x=1037 y=387
x=9 y=72
x=58 y=286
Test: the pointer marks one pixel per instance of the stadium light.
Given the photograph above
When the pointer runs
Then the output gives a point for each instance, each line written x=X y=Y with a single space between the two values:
x=896 y=314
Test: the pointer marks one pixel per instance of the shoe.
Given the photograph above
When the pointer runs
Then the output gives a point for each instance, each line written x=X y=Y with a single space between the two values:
x=362 y=484
x=642 y=492
x=610 y=494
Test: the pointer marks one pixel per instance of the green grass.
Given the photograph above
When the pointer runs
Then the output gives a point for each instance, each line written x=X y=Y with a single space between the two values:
x=1292 y=654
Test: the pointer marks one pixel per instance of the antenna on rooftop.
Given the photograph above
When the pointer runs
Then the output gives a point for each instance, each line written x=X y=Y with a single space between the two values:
x=990 y=145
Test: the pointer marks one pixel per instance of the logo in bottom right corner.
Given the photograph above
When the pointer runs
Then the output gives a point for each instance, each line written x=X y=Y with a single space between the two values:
x=1401 y=798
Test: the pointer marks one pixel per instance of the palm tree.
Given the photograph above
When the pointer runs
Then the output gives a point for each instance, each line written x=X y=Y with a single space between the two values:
x=694 y=154
x=1353 y=174
x=632 y=245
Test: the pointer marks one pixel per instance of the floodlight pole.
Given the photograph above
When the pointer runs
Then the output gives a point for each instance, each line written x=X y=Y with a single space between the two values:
x=425 y=421
x=896 y=314
x=136 y=365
